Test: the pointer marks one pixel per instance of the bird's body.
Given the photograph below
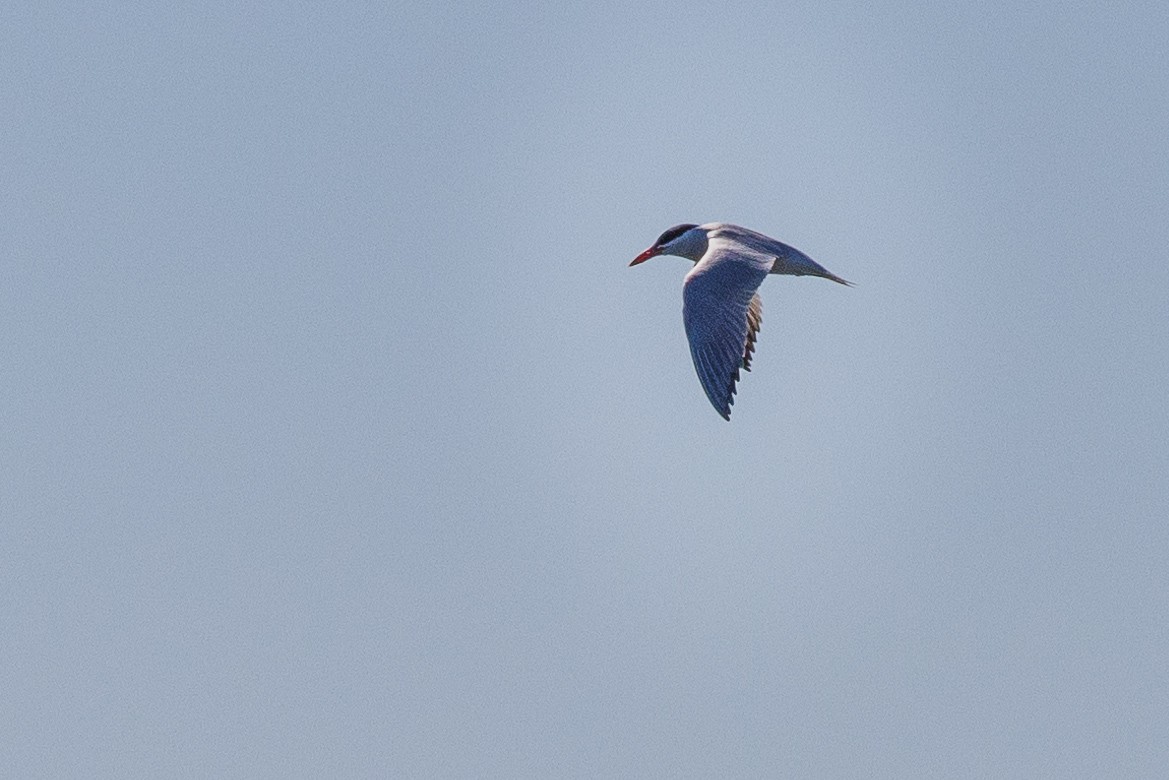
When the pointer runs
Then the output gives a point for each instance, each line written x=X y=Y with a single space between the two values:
x=721 y=308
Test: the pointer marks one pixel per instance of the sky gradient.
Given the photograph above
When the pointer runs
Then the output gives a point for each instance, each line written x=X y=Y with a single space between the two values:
x=339 y=440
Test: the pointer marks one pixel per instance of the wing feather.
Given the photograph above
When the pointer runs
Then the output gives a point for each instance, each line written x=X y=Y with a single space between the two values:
x=722 y=315
x=754 y=322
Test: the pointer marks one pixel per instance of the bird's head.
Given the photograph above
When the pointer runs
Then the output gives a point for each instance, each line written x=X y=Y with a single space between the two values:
x=687 y=241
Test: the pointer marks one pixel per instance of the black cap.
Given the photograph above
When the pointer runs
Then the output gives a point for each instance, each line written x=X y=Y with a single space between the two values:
x=673 y=233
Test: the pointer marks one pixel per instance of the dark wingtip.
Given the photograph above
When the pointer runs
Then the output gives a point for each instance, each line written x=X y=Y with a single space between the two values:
x=734 y=388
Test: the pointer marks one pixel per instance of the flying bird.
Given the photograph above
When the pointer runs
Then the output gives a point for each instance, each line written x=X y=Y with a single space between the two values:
x=721 y=308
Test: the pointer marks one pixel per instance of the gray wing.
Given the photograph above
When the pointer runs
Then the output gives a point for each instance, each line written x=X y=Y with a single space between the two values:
x=722 y=314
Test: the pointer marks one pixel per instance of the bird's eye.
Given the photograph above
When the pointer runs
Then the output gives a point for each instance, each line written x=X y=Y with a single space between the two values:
x=673 y=233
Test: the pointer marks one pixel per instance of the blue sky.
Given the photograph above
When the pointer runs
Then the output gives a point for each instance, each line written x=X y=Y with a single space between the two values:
x=340 y=440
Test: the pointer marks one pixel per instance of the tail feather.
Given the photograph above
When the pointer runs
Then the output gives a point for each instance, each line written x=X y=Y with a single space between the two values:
x=793 y=262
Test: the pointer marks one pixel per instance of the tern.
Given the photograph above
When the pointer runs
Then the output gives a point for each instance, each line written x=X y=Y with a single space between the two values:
x=721 y=308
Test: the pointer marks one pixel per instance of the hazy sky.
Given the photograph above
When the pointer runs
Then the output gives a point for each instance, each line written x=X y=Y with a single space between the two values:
x=339 y=440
